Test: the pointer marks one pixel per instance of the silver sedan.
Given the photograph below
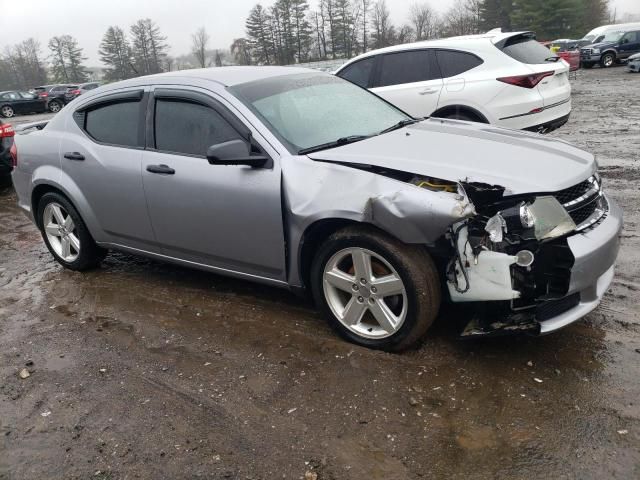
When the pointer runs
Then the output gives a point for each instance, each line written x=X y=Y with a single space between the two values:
x=303 y=180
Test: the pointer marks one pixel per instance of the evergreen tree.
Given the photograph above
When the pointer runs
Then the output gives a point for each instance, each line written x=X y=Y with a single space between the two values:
x=66 y=60
x=594 y=13
x=496 y=14
x=115 y=53
x=259 y=38
x=149 y=47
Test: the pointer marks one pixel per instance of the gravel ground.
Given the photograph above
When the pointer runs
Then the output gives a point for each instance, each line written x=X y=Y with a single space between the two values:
x=151 y=371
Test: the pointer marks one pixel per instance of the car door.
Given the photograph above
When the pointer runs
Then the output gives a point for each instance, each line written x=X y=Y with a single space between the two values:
x=101 y=152
x=31 y=102
x=226 y=217
x=410 y=80
x=629 y=44
x=14 y=99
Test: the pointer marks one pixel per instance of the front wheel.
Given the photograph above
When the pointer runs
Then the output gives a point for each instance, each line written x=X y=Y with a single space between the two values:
x=374 y=290
x=66 y=235
x=607 y=60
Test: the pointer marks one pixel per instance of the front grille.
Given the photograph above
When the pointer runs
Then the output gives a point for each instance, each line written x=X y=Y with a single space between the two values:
x=571 y=193
x=584 y=202
x=585 y=51
x=557 y=307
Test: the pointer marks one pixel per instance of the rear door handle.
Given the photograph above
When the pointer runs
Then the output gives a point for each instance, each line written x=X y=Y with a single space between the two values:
x=428 y=91
x=74 y=156
x=161 y=169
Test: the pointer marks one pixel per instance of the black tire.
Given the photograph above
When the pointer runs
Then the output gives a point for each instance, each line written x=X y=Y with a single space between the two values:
x=55 y=106
x=415 y=268
x=607 y=60
x=7 y=111
x=90 y=254
x=587 y=65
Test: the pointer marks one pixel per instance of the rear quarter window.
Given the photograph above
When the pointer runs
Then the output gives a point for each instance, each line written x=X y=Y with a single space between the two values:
x=526 y=50
x=359 y=72
x=453 y=62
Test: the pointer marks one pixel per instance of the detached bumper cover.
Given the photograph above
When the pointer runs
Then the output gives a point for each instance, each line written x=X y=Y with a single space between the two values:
x=595 y=252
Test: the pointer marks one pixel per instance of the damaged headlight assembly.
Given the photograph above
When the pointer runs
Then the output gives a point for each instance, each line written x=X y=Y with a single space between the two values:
x=486 y=248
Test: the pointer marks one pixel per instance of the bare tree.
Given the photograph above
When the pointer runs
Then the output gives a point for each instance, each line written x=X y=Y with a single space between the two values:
x=424 y=20
x=199 y=42
x=383 y=31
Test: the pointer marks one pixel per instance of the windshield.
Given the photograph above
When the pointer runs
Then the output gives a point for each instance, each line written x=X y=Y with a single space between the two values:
x=314 y=109
x=613 y=36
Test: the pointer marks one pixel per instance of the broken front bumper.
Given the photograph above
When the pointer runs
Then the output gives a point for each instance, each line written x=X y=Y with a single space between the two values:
x=595 y=252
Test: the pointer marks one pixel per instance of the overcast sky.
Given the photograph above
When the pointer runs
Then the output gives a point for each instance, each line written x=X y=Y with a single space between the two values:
x=87 y=20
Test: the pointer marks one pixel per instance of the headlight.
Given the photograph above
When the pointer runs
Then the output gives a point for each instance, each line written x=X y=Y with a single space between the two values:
x=542 y=219
x=550 y=219
x=595 y=51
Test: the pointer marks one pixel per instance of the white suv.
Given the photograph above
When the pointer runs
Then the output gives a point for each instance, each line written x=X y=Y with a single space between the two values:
x=507 y=79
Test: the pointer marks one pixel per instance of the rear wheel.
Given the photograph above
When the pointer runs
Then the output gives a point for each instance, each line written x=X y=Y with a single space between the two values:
x=374 y=290
x=66 y=235
x=7 y=111
x=607 y=60
x=55 y=106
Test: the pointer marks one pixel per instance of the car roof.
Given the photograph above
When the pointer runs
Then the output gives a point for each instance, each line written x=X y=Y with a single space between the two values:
x=230 y=76
x=465 y=41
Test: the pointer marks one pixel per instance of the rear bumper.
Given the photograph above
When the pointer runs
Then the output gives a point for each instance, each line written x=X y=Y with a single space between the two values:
x=549 y=126
x=595 y=253
x=554 y=115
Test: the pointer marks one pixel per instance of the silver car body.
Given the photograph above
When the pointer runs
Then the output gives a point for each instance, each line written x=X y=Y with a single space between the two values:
x=256 y=223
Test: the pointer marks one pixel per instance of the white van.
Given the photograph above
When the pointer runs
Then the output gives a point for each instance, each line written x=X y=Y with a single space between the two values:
x=597 y=34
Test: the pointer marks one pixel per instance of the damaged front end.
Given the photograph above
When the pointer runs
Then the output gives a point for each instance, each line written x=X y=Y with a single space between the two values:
x=513 y=254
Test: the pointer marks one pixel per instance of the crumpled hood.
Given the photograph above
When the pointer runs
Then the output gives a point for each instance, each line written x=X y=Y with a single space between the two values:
x=601 y=45
x=453 y=150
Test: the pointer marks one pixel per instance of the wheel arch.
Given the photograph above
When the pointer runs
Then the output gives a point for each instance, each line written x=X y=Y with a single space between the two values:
x=448 y=110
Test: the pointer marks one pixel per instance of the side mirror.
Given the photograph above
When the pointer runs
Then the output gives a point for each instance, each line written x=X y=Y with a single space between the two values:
x=234 y=152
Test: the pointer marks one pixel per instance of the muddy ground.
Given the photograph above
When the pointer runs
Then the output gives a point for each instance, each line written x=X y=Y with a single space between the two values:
x=150 y=371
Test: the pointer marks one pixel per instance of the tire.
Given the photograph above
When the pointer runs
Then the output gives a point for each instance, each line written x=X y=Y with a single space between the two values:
x=407 y=269
x=586 y=65
x=54 y=211
x=7 y=111
x=607 y=60
x=55 y=106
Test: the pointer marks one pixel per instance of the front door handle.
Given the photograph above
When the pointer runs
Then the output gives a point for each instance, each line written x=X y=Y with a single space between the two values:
x=428 y=91
x=161 y=169
x=74 y=156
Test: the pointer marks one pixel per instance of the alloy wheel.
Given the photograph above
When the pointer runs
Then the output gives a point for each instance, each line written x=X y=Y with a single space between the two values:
x=7 y=112
x=365 y=293
x=54 y=107
x=61 y=232
x=608 y=60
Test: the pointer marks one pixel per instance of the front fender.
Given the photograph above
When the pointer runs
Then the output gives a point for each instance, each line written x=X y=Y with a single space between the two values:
x=313 y=191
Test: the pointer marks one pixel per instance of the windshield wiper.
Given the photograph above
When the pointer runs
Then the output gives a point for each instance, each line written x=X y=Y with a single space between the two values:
x=400 y=124
x=336 y=143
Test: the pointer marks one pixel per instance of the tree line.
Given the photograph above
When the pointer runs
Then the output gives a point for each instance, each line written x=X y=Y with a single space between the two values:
x=292 y=31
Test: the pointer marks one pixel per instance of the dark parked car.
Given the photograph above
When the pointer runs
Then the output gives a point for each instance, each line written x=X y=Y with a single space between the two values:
x=7 y=152
x=15 y=102
x=79 y=90
x=54 y=95
x=615 y=47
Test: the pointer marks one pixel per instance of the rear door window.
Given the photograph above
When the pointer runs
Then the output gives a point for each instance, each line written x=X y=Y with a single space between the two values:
x=114 y=123
x=526 y=50
x=189 y=128
x=359 y=72
x=453 y=62
x=407 y=67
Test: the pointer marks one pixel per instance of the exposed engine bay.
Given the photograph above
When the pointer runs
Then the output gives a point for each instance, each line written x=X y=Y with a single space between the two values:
x=513 y=253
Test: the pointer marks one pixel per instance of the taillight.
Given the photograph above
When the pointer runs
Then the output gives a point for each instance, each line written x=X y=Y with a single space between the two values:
x=526 y=81
x=13 y=153
x=43 y=94
x=75 y=92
